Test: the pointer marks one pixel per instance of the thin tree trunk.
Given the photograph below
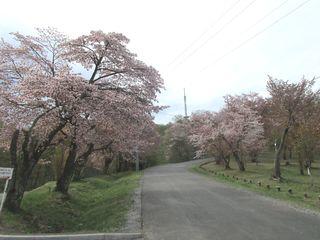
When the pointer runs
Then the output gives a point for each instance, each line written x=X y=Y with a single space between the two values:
x=64 y=181
x=78 y=171
x=107 y=162
x=290 y=157
x=239 y=161
x=300 y=165
x=227 y=163
x=290 y=154
x=277 y=171
x=81 y=163
x=284 y=153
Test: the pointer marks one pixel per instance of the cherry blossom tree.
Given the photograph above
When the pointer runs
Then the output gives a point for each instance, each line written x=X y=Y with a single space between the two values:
x=258 y=104
x=286 y=103
x=45 y=101
x=35 y=101
x=233 y=130
x=305 y=135
x=141 y=137
x=241 y=128
x=122 y=95
x=206 y=138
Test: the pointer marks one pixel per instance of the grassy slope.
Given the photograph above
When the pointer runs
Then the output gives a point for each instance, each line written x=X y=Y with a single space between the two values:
x=97 y=204
x=262 y=172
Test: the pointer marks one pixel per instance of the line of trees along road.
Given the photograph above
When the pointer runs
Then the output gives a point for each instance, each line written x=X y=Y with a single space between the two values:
x=287 y=122
x=47 y=103
x=89 y=101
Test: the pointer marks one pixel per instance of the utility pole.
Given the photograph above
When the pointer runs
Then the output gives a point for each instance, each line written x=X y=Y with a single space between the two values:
x=137 y=159
x=185 y=103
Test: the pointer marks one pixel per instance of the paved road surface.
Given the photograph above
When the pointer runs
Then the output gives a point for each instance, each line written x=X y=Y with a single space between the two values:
x=178 y=204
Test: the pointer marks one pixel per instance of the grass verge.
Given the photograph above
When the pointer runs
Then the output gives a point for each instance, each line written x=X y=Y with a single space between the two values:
x=305 y=190
x=97 y=204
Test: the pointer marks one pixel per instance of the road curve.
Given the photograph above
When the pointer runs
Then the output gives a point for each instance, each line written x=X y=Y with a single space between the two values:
x=178 y=204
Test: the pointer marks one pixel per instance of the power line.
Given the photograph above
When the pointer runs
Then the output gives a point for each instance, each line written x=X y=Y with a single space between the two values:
x=256 y=35
x=204 y=32
x=216 y=33
x=265 y=16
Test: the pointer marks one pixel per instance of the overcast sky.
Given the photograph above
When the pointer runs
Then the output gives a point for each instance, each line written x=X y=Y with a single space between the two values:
x=210 y=47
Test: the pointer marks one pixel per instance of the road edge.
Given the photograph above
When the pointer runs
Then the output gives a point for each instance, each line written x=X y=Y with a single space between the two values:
x=96 y=236
x=275 y=201
x=134 y=217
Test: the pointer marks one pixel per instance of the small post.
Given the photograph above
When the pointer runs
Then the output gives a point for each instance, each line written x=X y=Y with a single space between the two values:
x=4 y=194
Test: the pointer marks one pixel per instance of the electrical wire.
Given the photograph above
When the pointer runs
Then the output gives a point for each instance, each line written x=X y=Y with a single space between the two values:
x=204 y=32
x=216 y=33
x=256 y=35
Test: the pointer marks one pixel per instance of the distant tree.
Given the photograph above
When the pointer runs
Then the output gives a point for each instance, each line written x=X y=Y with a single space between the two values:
x=206 y=140
x=256 y=104
x=156 y=153
x=240 y=129
x=235 y=130
x=178 y=146
x=306 y=135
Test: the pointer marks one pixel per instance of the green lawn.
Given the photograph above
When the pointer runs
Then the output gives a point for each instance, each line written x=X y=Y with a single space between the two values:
x=300 y=185
x=97 y=204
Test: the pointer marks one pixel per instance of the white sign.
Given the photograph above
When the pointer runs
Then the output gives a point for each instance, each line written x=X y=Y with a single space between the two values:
x=6 y=173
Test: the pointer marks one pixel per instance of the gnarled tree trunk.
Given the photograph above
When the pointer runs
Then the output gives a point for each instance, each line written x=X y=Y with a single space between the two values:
x=24 y=165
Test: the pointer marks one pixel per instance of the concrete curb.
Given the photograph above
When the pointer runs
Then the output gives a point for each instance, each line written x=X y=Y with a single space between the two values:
x=96 y=236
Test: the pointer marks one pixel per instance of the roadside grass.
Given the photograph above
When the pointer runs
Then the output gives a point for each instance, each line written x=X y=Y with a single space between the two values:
x=97 y=204
x=299 y=185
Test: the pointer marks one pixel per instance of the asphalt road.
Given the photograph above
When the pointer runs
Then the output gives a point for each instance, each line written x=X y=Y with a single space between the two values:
x=178 y=204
